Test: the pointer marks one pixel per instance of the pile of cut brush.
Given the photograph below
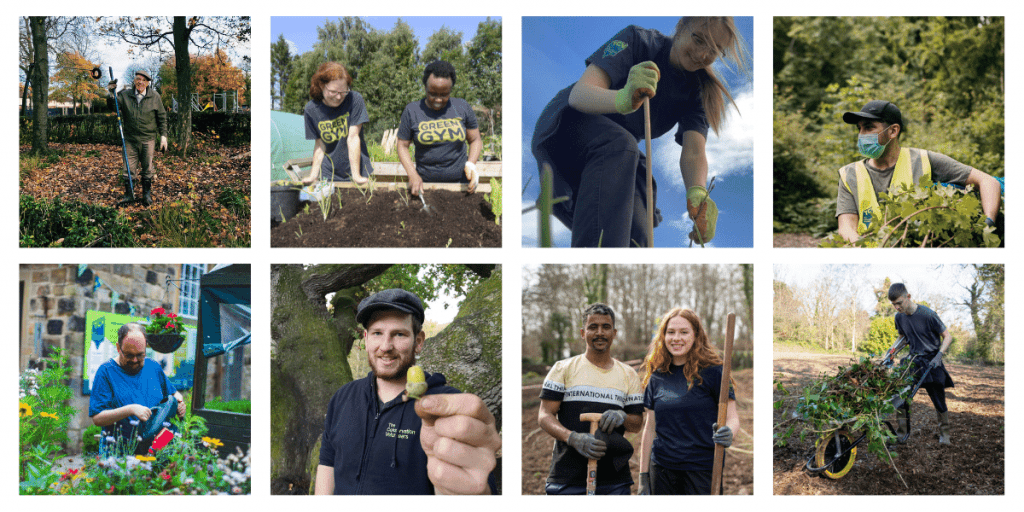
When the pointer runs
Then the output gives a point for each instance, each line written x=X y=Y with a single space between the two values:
x=856 y=398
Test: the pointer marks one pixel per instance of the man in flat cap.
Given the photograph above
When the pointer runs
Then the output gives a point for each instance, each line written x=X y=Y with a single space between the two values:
x=887 y=166
x=144 y=118
x=378 y=441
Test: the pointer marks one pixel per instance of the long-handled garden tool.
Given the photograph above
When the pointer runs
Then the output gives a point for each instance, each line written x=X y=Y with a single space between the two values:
x=723 y=405
x=592 y=418
x=650 y=173
x=124 y=147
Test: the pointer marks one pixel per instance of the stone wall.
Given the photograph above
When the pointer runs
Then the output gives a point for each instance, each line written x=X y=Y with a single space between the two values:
x=57 y=297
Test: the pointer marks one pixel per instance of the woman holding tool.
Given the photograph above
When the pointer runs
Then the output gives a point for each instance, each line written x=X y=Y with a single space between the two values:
x=682 y=377
x=334 y=118
x=589 y=131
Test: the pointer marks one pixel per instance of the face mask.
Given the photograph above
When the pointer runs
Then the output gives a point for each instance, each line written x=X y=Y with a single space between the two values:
x=868 y=145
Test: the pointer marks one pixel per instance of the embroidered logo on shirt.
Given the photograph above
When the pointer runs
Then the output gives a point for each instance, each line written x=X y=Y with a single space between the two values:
x=613 y=48
x=334 y=129
x=440 y=131
x=392 y=431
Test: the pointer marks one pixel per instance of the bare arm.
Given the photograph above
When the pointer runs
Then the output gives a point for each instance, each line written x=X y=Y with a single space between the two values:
x=693 y=161
x=355 y=155
x=319 y=150
x=415 y=182
x=848 y=226
x=111 y=416
x=634 y=422
x=547 y=417
x=947 y=340
x=324 y=480
x=476 y=144
x=591 y=94
x=732 y=418
x=989 y=189
x=646 y=441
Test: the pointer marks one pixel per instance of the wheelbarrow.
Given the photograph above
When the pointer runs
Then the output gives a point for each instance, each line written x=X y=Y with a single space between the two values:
x=836 y=451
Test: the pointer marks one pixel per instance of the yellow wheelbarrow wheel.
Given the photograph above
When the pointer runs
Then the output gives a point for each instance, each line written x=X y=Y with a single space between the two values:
x=826 y=451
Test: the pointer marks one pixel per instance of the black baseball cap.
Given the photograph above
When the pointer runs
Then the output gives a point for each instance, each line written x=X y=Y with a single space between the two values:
x=877 y=110
x=393 y=299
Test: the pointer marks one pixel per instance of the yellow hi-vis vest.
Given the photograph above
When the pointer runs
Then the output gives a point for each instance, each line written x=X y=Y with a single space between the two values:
x=911 y=166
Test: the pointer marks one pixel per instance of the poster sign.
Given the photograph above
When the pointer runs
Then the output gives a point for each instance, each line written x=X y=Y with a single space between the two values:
x=101 y=346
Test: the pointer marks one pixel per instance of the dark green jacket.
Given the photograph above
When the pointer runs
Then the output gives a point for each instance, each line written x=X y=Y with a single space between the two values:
x=145 y=120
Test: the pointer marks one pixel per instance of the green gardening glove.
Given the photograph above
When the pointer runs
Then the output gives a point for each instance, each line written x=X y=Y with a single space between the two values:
x=703 y=213
x=642 y=81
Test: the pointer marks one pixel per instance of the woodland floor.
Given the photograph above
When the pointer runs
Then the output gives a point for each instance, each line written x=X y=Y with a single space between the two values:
x=739 y=466
x=975 y=464
x=385 y=219
x=794 y=240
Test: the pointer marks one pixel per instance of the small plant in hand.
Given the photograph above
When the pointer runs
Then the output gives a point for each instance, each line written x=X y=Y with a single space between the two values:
x=164 y=322
x=856 y=398
x=925 y=216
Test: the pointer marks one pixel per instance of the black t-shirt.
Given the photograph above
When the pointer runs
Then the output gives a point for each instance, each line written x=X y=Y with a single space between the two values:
x=439 y=137
x=331 y=124
x=683 y=417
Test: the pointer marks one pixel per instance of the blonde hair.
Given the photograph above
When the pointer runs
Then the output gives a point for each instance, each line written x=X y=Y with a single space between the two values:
x=713 y=92
x=701 y=355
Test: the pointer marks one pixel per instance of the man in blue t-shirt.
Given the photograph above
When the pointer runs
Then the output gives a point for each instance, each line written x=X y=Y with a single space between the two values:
x=440 y=127
x=126 y=388
x=929 y=339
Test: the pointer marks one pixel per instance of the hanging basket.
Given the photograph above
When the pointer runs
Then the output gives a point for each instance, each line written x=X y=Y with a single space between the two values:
x=164 y=343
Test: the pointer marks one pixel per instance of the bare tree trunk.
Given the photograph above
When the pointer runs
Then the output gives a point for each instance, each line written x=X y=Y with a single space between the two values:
x=183 y=70
x=40 y=85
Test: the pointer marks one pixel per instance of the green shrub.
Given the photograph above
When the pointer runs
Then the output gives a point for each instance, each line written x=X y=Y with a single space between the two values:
x=59 y=223
x=881 y=335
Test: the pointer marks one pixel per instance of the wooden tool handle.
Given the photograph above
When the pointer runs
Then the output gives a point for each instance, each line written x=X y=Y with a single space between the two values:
x=650 y=173
x=723 y=405
x=593 y=418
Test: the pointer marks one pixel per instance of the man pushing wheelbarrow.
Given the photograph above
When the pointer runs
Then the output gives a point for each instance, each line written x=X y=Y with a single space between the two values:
x=141 y=118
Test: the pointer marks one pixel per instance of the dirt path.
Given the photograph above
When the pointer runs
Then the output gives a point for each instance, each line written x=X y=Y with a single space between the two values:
x=974 y=465
x=738 y=477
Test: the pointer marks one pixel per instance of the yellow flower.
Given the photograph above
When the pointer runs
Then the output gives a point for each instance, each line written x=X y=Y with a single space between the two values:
x=145 y=458
x=211 y=441
x=24 y=409
x=48 y=415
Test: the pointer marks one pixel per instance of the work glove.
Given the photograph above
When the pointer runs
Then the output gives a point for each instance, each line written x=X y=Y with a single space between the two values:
x=703 y=213
x=722 y=435
x=112 y=86
x=588 y=445
x=611 y=420
x=645 y=484
x=642 y=81
x=472 y=176
x=936 y=361
x=163 y=143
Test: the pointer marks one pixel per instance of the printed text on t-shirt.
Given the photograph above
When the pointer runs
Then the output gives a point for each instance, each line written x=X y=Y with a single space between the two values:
x=441 y=130
x=335 y=129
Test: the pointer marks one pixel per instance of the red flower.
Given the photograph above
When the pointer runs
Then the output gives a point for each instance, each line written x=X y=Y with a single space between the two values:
x=172 y=315
x=165 y=475
x=158 y=311
x=170 y=325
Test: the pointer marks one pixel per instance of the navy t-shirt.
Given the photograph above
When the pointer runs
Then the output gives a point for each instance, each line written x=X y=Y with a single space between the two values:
x=331 y=124
x=683 y=417
x=923 y=330
x=439 y=137
x=112 y=388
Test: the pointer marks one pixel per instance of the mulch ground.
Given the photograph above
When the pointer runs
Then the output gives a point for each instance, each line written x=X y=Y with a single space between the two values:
x=739 y=466
x=794 y=240
x=385 y=220
x=975 y=464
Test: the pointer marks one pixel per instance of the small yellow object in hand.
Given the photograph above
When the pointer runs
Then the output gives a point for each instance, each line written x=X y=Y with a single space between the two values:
x=415 y=383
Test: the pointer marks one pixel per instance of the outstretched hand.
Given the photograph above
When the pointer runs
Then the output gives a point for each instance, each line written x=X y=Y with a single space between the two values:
x=460 y=440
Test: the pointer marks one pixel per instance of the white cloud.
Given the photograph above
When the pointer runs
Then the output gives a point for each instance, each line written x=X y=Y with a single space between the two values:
x=684 y=225
x=560 y=235
x=729 y=153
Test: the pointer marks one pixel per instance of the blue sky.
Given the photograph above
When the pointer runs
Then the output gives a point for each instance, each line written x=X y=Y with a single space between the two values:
x=554 y=51
x=300 y=31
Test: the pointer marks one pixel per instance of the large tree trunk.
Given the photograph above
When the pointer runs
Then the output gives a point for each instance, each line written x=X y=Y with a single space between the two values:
x=40 y=85
x=183 y=70
x=308 y=360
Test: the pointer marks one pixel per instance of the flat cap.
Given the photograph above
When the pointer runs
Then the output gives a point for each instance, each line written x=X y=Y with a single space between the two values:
x=145 y=74
x=394 y=299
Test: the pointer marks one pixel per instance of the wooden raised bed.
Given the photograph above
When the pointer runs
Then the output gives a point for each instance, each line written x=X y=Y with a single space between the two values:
x=391 y=175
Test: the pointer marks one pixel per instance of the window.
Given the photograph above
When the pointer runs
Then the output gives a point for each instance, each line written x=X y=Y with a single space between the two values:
x=188 y=299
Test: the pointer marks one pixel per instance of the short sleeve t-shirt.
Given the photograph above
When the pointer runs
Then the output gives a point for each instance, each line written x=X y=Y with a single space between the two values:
x=683 y=417
x=112 y=388
x=923 y=330
x=677 y=101
x=331 y=124
x=944 y=169
x=582 y=387
x=439 y=137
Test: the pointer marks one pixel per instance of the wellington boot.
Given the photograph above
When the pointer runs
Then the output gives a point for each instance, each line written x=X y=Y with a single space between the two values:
x=943 y=427
x=129 y=195
x=147 y=198
x=902 y=425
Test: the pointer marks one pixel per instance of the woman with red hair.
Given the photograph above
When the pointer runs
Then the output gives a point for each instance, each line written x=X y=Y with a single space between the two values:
x=682 y=379
x=334 y=118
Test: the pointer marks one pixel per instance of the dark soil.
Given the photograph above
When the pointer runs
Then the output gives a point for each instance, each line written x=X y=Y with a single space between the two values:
x=739 y=465
x=456 y=220
x=973 y=465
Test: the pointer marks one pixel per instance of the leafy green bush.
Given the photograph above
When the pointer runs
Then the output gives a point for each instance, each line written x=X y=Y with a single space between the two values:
x=90 y=440
x=925 y=216
x=881 y=335
x=43 y=417
x=59 y=223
